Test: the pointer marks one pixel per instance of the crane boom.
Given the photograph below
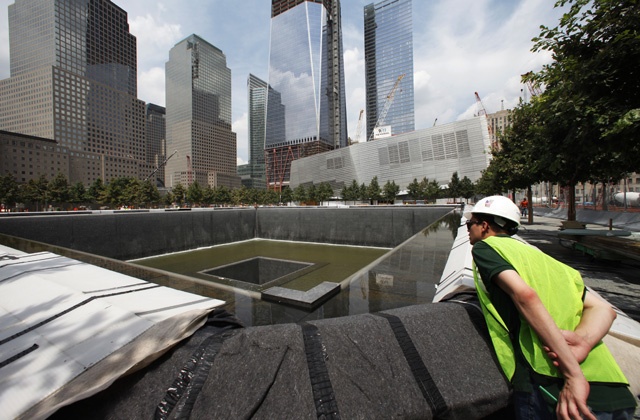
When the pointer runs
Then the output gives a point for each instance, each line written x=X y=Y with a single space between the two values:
x=480 y=106
x=359 y=128
x=533 y=87
x=160 y=166
x=482 y=111
x=387 y=105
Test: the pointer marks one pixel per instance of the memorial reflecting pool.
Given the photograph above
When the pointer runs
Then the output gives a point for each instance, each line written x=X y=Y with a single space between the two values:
x=373 y=279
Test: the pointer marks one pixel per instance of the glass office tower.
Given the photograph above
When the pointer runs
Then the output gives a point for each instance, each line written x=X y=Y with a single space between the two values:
x=306 y=112
x=388 y=52
x=198 y=116
x=257 y=91
x=257 y=100
x=74 y=80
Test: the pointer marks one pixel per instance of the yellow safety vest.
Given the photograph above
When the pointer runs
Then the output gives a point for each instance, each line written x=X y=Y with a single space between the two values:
x=560 y=288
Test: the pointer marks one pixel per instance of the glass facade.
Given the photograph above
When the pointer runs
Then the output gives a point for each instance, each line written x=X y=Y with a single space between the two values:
x=198 y=118
x=257 y=90
x=295 y=72
x=253 y=174
x=388 y=50
x=74 y=80
x=307 y=103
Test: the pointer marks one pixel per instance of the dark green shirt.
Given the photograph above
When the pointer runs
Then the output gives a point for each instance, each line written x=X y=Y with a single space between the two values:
x=603 y=397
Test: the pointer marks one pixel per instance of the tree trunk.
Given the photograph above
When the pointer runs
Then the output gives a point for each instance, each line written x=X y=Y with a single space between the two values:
x=571 y=202
x=529 y=205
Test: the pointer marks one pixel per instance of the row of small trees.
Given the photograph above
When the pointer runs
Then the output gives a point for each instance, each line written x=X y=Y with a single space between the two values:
x=41 y=194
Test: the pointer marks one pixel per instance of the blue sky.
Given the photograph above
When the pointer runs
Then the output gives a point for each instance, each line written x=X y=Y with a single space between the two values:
x=460 y=47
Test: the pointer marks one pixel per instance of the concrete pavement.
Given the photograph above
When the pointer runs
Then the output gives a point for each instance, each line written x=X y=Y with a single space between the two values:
x=618 y=281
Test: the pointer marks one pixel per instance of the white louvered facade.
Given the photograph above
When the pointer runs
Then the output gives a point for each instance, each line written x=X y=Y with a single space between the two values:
x=435 y=153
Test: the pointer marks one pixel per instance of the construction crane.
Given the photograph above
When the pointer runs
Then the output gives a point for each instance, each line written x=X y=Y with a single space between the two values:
x=160 y=166
x=533 y=87
x=481 y=110
x=479 y=106
x=387 y=105
x=359 y=128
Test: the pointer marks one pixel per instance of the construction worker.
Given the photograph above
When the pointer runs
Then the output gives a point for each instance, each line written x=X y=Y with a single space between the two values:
x=545 y=327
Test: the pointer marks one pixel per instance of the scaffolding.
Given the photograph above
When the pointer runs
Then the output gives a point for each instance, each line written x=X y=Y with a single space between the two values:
x=278 y=161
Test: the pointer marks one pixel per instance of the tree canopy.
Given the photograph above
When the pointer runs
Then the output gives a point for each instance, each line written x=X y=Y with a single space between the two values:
x=585 y=124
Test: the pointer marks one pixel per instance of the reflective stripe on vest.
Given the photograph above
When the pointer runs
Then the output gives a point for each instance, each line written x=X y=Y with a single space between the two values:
x=560 y=289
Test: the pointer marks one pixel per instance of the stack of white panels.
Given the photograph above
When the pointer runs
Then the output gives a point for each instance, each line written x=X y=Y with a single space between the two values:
x=69 y=329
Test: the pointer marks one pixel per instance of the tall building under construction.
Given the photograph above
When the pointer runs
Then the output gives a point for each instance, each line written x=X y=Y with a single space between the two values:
x=306 y=111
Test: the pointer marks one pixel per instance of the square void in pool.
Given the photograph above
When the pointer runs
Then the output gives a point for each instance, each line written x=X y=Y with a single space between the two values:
x=258 y=270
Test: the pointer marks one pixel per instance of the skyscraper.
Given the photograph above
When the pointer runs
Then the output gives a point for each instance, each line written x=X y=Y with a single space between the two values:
x=198 y=91
x=306 y=112
x=388 y=53
x=253 y=174
x=74 y=80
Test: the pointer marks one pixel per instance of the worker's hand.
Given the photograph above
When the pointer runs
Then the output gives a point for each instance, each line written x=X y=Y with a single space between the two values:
x=578 y=345
x=572 y=401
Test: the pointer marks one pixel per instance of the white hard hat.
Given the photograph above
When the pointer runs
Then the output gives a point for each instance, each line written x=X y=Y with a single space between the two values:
x=500 y=207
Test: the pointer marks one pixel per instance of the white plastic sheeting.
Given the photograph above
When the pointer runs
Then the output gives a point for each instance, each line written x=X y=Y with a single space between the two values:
x=67 y=324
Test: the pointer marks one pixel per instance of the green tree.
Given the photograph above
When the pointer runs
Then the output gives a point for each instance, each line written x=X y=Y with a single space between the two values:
x=415 y=190
x=374 y=191
x=286 y=196
x=97 y=192
x=390 y=191
x=9 y=191
x=589 y=112
x=454 y=191
x=270 y=196
x=208 y=195
x=195 y=194
x=363 y=192
x=59 y=189
x=169 y=198
x=312 y=194
x=179 y=192
x=240 y=196
x=466 y=188
x=148 y=194
x=132 y=191
x=488 y=183
x=350 y=192
x=222 y=195
x=431 y=189
x=36 y=191
x=325 y=192
x=300 y=194
x=77 y=193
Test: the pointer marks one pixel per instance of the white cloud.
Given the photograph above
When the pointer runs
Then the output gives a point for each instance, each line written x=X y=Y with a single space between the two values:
x=355 y=88
x=151 y=86
x=240 y=127
x=155 y=38
x=475 y=47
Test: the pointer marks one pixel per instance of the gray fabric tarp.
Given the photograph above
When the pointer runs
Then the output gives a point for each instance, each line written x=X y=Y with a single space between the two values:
x=425 y=361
